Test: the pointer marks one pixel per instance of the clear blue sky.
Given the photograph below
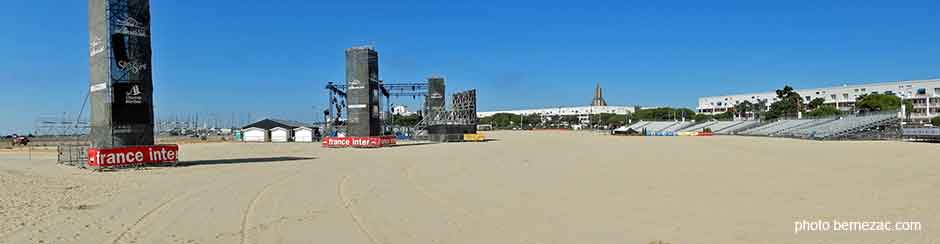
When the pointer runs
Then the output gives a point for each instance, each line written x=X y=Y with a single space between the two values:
x=271 y=59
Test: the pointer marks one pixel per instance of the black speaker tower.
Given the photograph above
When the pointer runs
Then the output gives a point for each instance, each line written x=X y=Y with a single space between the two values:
x=121 y=80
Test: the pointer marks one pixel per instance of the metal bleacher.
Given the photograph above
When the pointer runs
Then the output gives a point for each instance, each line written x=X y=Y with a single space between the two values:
x=677 y=126
x=772 y=128
x=741 y=125
x=638 y=125
x=659 y=126
x=721 y=125
x=847 y=125
x=698 y=127
x=822 y=128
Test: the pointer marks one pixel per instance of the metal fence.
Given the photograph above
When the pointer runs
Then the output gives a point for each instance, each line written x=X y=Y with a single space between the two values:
x=73 y=155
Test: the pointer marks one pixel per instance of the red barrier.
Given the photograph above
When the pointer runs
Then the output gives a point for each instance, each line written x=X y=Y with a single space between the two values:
x=138 y=155
x=361 y=142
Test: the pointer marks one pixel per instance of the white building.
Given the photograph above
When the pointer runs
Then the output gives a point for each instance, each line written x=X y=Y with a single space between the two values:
x=598 y=106
x=583 y=112
x=401 y=110
x=842 y=97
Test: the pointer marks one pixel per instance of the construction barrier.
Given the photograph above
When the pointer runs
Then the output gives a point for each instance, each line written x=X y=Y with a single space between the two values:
x=705 y=134
x=136 y=156
x=359 y=142
x=687 y=133
x=474 y=137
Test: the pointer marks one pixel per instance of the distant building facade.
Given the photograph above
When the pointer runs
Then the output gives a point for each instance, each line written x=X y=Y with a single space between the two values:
x=401 y=110
x=924 y=94
x=598 y=106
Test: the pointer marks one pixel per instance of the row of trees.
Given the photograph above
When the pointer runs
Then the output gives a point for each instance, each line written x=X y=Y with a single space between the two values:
x=789 y=103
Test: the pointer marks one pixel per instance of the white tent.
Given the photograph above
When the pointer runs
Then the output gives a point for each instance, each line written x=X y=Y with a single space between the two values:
x=303 y=134
x=254 y=134
x=279 y=134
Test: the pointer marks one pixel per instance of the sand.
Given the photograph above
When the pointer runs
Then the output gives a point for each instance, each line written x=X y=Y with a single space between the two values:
x=525 y=187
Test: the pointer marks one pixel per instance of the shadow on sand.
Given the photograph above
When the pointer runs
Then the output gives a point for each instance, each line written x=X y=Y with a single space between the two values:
x=412 y=144
x=240 y=161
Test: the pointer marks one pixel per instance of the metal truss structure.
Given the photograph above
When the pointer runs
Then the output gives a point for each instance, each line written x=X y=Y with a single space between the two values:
x=463 y=111
x=333 y=115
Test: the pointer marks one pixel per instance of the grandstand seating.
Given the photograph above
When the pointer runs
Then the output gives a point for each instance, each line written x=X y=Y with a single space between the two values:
x=638 y=125
x=721 y=125
x=698 y=127
x=741 y=125
x=772 y=128
x=798 y=131
x=659 y=126
x=677 y=126
x=846 y=125
x=816 y=128
x=823 y=128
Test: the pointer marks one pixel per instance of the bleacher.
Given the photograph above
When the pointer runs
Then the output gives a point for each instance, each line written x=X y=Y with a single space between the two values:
x=772 y=128
x=814 y=128
x=798 y=131
x=721 y=125
x=821 y=128
x=741 y=125
x=638 y=125
x=677 y=126
x=656 y=126
x=698 y=127
x=846 y=125
x=659 y=126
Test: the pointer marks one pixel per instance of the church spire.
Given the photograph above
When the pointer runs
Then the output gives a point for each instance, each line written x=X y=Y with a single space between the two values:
x=598 y=97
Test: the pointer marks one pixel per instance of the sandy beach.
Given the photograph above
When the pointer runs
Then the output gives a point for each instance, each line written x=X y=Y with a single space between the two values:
x=523 y=187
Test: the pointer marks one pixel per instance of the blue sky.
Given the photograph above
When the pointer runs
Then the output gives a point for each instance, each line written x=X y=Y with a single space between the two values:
x=271 y=60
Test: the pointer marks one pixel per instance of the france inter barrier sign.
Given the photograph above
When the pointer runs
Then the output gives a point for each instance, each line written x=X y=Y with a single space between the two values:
x=132 y=156
x=361 y=142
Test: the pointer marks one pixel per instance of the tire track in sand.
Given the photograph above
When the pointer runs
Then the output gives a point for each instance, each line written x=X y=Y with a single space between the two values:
x=254 y=202
x=348 y=205
x=410 y=171
x=134 y=227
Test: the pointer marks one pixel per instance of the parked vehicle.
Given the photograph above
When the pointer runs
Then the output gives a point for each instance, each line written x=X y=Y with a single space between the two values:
x=20 y=140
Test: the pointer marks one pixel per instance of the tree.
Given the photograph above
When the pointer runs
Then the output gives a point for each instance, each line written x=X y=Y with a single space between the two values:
x=532 y=120
x=881 y=102
x=405 y=120
x=571 y=119
x=760 y=107
x=741 y=109
x=701 y=117
x=789 y=103
x=824 y=111
x=726 y=116
x=935 y=121
x=666 y=113
x=616 y=120
x=815 y=103
x=501 y=120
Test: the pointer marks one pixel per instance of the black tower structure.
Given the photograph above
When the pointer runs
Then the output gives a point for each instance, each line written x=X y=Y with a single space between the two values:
x=121 y=79
x=362 y=84
x=434 y=101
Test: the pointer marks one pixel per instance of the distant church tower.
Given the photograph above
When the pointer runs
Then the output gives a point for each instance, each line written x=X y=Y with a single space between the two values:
x=598 y=97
